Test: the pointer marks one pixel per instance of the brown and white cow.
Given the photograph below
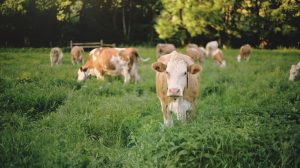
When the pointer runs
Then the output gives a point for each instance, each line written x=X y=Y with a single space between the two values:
x=245 y=52
x=218 y=57
x=195 y=53
x=162 y=49
x=294 y=71
x=111 y=61
x=77 y=54
x=177 y=86
x=56 y=56
x=211 y=47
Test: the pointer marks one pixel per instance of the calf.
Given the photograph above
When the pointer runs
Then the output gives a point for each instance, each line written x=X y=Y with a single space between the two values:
x=177 y=86
x=162 y=49
x=245 y=52
x=294 y=71
x=111 y=61
x=211 y=47
x=218 y=57
x=195 y=53
x=56 y=56
x=77 y=54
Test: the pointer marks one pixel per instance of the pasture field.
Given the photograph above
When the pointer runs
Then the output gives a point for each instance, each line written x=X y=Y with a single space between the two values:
x=248 y=115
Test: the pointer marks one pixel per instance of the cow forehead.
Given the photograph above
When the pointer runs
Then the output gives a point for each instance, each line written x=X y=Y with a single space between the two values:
x=176 y=66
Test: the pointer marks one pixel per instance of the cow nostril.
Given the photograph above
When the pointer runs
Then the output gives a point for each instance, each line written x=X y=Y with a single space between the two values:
x=174 y=90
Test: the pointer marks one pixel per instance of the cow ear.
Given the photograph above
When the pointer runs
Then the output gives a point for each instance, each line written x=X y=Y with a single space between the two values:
x=159 y=67
x=194 y=68
x=83 y=69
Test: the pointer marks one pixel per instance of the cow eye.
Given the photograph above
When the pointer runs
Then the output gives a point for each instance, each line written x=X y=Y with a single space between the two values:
x=167 y=73
x=185 y=73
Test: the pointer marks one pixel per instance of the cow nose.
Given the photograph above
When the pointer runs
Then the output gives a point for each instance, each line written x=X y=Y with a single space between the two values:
x=174 y=91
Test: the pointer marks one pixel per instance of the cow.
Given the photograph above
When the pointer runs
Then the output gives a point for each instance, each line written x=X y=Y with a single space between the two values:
x=77 y=54
x=177 y=86
x=111 y=61
x=211 y=47
x=218 y=57
x=56 y=56
x=294 y=71
x=245 y=52
x=162 y=49
x=195 y=53
x=202 y=49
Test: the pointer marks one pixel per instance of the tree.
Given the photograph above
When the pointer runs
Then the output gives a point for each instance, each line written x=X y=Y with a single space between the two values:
x=211 y=18
x=227 y=19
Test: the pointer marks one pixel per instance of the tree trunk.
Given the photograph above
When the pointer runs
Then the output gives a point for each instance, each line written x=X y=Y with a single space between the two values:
x=124 y=20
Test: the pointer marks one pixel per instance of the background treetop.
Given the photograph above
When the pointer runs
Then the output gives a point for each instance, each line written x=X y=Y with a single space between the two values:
x=56 y=22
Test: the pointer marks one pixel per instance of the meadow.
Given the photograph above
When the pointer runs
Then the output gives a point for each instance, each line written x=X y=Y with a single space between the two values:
x=248 y=115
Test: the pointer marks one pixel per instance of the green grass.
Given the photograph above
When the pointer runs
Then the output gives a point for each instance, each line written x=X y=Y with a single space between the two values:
x=248 y=115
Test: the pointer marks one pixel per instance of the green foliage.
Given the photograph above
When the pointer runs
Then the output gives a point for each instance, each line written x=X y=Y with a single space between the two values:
x=247 y=115
x=228 y=18
x=12 y=6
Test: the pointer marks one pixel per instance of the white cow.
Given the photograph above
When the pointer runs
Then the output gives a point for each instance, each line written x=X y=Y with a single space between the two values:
x=162 y=49
x=56 y=56
x=77 y=54
x=177 y=86
x=245 y=52
x=211 y=47
x=294 y=71
x=218 y=57
x=195 y=53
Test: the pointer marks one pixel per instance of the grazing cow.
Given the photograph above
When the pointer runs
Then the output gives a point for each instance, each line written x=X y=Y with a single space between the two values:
x=177 y=86
x=162 y=49
x=245 y=52
x=218 y=57
x=195 y=53
x=294 y=71
x=77 y=54
x=113 y=62
x=202 y=49
x=56 y=56
x=211 y=47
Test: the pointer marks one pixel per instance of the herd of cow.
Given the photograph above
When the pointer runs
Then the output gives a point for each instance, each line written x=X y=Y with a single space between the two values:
x=177 y=74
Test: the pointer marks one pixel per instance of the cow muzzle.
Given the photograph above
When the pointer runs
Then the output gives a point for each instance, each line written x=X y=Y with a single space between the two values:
x=174 y=92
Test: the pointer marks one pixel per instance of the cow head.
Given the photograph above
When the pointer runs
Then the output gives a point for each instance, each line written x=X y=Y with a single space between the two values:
x=294 y=72
x=82 y=74
x=177 y=75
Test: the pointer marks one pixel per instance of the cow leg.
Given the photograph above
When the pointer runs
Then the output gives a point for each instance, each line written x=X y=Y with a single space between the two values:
x=166 y=114
x=248 y=57
x=73 y=61
x=134 y=74
x=126 y=74
x=51 y=61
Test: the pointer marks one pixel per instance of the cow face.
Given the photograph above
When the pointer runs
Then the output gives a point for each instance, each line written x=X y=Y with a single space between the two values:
x=82 y=74
x=177 y=75
x=294 y=72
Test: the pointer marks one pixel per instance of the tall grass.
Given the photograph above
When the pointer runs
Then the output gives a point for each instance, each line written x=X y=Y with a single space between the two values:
x=248 y=115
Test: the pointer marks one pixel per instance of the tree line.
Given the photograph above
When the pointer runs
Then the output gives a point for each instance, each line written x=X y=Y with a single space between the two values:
x=44 y=23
